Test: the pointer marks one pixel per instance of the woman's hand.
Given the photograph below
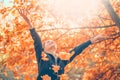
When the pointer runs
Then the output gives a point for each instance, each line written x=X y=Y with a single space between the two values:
x=24 y=13
x=98 y=38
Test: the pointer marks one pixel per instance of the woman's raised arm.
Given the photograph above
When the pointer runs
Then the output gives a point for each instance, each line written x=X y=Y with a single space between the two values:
x=35 y=36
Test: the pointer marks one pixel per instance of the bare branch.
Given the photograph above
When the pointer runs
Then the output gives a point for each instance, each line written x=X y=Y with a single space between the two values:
x=62 y=34
x=103 y=18
x=95 y=27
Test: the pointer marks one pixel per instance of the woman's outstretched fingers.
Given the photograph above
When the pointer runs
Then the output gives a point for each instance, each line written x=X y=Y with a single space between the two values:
x=99 y=38
x=23 y=13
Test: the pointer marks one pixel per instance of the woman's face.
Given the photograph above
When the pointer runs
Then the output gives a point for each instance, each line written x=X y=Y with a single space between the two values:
x=50 y=46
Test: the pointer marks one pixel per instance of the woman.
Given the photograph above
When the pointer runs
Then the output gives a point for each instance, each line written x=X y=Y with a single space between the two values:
x=50 y=64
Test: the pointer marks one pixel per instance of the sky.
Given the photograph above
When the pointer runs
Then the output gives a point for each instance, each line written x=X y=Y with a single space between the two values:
x=7 y=3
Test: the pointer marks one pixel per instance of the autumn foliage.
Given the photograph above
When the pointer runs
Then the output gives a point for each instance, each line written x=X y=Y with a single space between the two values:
x=99 y=61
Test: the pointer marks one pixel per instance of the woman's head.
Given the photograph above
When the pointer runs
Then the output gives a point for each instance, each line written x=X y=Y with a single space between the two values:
x=50 y=46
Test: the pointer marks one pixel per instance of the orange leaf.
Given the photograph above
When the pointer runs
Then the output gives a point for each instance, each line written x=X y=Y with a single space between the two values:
x=46 y=77
x=27 y=77
x=44 y=57
x=65 y=56
x=55 y=68
x=64 y=77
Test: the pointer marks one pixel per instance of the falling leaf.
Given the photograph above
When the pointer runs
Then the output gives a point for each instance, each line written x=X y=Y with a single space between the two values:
x=44 y=57
x=46 y=77
x=65 y=56
x=55 y=68
x=64 y=77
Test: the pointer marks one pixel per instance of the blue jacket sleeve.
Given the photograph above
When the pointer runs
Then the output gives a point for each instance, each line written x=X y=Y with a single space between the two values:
x=77 y=50
x=37 y=44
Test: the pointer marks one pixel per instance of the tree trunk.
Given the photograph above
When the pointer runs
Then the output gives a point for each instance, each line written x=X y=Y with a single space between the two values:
x=111 y=12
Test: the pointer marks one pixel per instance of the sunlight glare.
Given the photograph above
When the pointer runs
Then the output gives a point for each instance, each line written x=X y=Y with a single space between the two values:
x=74 y=8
